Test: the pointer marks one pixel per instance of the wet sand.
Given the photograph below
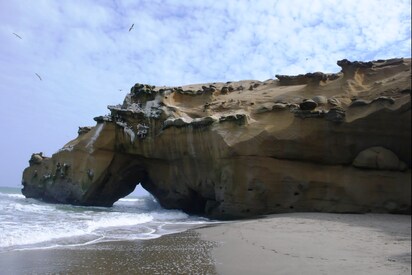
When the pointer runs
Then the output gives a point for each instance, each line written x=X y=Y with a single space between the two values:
x=313 y=243
x=296 y=243
x=180 y=253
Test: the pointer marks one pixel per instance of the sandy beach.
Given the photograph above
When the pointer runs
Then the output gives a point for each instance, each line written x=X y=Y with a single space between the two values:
x=313 y=243
x=294 y=243
x=180 y=253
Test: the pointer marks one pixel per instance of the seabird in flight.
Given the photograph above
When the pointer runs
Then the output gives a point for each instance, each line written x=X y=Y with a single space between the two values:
x=131 y=27
x=38 y=76
x=17 y=35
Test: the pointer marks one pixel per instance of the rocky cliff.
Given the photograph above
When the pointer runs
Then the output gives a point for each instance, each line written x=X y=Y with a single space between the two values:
x=315 y=142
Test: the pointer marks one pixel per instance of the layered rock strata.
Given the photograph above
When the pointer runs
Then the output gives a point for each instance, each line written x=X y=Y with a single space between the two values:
x=315 y=142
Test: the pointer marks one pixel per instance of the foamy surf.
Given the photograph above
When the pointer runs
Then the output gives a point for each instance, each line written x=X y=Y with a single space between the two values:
x=31 y=224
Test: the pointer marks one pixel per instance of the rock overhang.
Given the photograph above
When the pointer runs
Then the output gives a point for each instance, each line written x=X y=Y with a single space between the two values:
x=246 y=148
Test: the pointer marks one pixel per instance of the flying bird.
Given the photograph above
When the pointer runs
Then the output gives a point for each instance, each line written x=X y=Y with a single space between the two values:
x=17 y=35
x=38 y=76
x=131 y=27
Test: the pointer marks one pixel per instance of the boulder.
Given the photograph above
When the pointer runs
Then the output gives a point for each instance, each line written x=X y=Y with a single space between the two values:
x=320 y=100
x=36 y=158
x=378 y=157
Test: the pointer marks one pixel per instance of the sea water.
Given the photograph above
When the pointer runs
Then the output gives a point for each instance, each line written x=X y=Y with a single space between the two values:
x=32 y=224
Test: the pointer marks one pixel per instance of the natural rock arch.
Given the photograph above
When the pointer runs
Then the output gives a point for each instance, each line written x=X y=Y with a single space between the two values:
x=224 y=151
x=117 y=184
x=119 y=181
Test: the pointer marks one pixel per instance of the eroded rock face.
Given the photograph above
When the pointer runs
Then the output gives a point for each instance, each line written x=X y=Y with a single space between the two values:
x=379 y=158
x=314 y=142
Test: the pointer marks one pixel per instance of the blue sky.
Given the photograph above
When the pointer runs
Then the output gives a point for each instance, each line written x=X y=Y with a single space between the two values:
x=85 y=55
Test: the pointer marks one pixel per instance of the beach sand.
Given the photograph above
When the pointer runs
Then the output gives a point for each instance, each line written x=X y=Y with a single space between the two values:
x=180 y=253
x=295 y=243
x=313 y=243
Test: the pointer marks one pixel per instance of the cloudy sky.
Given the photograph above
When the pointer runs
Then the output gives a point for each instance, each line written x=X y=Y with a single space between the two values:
x=87 y=59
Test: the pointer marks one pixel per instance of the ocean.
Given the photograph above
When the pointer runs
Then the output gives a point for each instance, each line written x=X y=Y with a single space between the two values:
x=32 y=224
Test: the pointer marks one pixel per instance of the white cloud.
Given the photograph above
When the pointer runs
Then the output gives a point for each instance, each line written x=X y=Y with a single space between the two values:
x=85 y=53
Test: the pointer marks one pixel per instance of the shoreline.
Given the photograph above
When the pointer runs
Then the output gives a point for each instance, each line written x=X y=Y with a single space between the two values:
x=176 y=253
x=313 y=243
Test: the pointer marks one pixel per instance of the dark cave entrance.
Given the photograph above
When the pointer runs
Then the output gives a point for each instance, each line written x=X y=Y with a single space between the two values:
x=117 y=184
x=190 y=202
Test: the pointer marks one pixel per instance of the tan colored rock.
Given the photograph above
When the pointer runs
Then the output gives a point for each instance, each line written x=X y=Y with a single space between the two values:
x=229 y=155
x=320 y=100
x=378 y=158
x=279 y=106
x=36 y=158
x=334 y=101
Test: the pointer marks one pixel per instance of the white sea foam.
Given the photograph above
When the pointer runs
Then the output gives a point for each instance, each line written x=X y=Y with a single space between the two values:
x=15 y=195
x=45 y=230
x=27 y=223
x=35 y=234
x=117 y=220
x=129 y=199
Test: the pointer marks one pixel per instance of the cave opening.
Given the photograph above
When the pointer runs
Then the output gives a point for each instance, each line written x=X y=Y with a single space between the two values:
x=115 y=185
x=139 y=191
x=132 y=180
x=135 y=180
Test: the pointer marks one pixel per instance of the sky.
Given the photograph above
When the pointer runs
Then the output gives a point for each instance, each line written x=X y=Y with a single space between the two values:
x=87 y=58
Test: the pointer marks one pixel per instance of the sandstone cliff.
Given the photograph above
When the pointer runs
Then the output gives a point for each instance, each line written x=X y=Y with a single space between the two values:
x=315 y=142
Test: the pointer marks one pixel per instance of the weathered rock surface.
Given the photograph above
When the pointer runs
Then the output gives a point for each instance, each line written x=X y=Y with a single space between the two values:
x=378 y=158
x=239 y=149
x=308 y=105
x=309 y=78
